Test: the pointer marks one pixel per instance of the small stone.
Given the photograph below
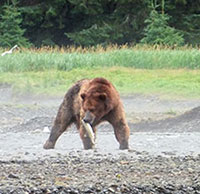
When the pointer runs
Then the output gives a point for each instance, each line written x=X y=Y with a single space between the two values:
x=111 y=190
x=13 y=176
x=46 y=130
x=37 y=131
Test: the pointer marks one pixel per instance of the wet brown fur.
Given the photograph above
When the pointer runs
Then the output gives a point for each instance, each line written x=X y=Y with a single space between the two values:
x=100 y=98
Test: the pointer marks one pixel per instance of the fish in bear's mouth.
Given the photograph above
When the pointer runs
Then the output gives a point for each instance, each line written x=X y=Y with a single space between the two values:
x=89 y=131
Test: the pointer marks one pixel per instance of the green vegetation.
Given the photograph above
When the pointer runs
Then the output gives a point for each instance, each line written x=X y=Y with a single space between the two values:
x=144 y=70
x=135 y=57
x=165 y=68
x=11 y=32
x=166 y=83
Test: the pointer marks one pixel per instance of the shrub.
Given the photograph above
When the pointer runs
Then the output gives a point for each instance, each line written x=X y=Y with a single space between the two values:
x=158 y=31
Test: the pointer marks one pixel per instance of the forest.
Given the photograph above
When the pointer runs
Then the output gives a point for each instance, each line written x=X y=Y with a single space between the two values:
x=99 y=22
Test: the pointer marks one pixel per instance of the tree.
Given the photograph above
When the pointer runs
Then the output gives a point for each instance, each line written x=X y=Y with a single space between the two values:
x=108 y=22
x=11 y=32
x=91 y=22
x=158 y=31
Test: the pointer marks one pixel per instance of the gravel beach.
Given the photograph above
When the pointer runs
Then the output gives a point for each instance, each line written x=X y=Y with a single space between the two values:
x=164 y=154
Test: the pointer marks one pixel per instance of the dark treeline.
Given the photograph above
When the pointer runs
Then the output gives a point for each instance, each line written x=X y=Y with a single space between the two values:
x=92 y=22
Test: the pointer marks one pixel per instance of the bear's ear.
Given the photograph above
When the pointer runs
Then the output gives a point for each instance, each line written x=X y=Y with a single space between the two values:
x=102 y=96
x=83 y=96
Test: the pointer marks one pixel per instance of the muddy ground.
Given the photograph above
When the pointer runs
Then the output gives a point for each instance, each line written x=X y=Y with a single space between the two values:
x=164 y=155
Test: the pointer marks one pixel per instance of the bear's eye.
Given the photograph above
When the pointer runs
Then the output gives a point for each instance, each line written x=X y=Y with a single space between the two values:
x=83 y=96
x=91 y=109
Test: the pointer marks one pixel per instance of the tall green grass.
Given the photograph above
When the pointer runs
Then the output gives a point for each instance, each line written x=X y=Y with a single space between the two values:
x=144 y=70
x=135 y=57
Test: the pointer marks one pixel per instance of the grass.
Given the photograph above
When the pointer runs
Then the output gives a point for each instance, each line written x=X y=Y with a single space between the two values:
x=181 y=83
x=146 y=70
x=71 y=58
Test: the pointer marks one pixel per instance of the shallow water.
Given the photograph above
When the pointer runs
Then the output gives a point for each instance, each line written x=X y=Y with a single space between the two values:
x=28 y=145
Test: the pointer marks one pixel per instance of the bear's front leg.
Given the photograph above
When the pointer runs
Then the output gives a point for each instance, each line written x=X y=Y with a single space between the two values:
x=51 y=141
x=122 y=134
x=62 y=121
x=121 y=129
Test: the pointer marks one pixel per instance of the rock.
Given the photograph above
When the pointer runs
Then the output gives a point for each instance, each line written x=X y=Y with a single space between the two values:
x=13 y=176
x=46 y=130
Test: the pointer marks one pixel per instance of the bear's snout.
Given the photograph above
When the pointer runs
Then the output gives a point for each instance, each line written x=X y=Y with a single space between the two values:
x=89 y=117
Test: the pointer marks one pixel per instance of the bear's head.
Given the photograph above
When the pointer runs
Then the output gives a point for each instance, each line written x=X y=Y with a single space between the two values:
x=95 y=105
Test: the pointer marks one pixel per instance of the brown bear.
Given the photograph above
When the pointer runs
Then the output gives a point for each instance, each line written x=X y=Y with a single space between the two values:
x=92 y=101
